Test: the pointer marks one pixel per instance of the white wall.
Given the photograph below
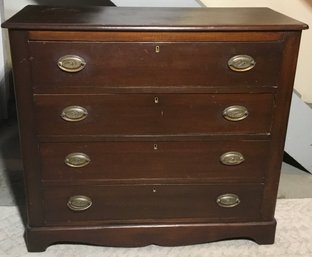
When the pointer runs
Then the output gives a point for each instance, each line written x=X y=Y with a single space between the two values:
x=3 y=85
x=12 y=6
x=154 y=3
x=298 y=9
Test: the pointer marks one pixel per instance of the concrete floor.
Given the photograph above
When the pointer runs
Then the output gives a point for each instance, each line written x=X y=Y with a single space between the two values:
x=294 y=183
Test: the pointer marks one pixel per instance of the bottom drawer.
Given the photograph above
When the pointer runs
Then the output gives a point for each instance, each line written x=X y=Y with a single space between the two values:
x=152 y=203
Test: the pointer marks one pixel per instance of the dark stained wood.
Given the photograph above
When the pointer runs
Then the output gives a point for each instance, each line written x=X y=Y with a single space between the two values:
x=146 y=204
x=137 y=114
x=80 y=90
x=146 y=19
x=279 y=125
x=145 y=36
x=38 y=239
x=159 y=138
x=141 y=194
x=139 y=161
x=117 y=64
x=29 y=145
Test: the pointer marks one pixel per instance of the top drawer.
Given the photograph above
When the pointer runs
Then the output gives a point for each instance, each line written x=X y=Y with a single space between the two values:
x=152 y=64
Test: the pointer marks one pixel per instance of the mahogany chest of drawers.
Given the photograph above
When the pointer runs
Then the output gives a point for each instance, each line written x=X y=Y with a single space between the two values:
x=152 y=126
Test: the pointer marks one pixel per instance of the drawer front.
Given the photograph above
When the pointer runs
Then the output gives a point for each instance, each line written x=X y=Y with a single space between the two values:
x=129 y=64
x=146 y=114
x=155 y=160
x=152 y=203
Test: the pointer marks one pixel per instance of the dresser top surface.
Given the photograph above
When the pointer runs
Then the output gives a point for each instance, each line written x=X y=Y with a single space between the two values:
x=34 y=17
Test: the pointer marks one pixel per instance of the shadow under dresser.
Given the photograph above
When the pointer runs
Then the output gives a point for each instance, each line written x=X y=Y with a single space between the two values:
x=152 y=125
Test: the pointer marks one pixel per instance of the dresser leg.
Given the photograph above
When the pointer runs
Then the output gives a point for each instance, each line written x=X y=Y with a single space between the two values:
x=265 y=235
x=35 y=242
x=267 y=240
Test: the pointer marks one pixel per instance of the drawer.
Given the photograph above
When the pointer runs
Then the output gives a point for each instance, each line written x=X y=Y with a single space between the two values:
x=152 y=64
x=155 y=160
x=148 y=114
x=151 y=203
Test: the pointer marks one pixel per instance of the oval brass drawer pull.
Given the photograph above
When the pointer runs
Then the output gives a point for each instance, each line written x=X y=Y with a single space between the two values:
x=77 y=160
x=79 y=203
x=235 y=113
x=71 y=63
x=241 y=63
x=74 y=113
x=228 y=200
x=232 y=158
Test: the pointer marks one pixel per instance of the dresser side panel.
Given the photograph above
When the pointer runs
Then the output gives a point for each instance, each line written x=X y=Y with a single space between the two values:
x=29 y=146
x=280 y=121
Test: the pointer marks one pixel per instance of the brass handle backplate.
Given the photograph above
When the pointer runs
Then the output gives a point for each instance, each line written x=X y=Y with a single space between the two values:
x=232 y=158
x=79 y=203
x=241 y=63
x=228 y=200
x=71 y=63
x=74 y=113
x=77 y=160
x=235 y=113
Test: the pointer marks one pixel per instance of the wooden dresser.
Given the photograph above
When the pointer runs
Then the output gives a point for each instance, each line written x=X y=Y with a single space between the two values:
x=152 y=126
